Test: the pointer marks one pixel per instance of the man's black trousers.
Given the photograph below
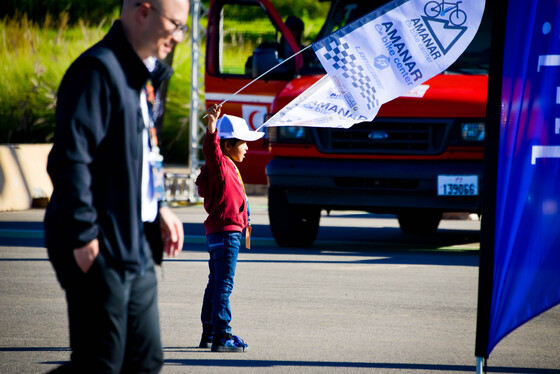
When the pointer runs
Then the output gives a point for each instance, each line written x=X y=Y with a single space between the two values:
x=113 y=317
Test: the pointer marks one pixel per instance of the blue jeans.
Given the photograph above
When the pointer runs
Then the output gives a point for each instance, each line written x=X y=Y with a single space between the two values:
x=223 y=248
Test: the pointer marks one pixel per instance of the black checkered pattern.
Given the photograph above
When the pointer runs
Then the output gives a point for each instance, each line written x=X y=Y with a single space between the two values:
x=338 y=56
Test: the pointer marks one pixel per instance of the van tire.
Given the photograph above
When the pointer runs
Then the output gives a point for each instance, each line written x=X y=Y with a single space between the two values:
x=419 y=221
x=291 y=225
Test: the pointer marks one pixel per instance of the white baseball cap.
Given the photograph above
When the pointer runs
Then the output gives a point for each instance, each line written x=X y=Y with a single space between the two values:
x=235 y=127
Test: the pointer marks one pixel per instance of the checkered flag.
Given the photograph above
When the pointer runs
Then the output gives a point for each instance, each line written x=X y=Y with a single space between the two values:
x=337 y=54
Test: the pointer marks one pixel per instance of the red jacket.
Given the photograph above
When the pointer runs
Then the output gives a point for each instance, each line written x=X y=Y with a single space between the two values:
x=219 y=185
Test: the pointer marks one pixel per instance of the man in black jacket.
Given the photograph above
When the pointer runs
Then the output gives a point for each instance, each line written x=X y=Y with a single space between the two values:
x=102 y=168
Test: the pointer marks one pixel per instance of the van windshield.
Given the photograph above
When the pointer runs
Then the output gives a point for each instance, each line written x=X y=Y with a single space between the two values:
x=475 y=59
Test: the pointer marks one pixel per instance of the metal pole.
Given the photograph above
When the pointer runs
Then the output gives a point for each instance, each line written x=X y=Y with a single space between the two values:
x=196 y=125
x=479 y=365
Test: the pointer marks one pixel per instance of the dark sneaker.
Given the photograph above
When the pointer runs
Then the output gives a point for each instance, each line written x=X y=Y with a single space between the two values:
x=205 y=341
x=229 y=343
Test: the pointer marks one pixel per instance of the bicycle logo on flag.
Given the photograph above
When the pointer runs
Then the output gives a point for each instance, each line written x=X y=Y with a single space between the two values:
x=435 y=9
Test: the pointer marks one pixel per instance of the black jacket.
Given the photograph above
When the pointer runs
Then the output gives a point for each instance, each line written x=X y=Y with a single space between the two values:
x=96 y=161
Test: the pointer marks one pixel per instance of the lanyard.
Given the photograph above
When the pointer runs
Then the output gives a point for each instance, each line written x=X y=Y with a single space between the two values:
x=249 y=228
x=242 y=185
x=151 y=100
x=154 y=157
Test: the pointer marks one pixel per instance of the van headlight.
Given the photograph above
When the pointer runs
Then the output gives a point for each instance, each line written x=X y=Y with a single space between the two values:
x=291 y=132
x=287 y=134
x=473 y=131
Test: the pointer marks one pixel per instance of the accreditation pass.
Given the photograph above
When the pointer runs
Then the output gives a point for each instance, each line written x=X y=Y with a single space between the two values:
x=457 y=185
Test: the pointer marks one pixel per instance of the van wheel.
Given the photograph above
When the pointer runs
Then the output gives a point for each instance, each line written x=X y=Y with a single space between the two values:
x=291 y=225
x=419 y=221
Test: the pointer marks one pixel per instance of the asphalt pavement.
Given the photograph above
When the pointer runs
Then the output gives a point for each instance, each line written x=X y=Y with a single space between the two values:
x=364 y=298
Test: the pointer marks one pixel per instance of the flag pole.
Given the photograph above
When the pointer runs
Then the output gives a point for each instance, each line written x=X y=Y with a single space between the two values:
x=260 y=76
x=480 y=365
x=490 y=183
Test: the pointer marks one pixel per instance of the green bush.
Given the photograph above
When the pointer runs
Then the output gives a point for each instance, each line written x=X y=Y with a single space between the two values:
x=90 y=11
x=305 y=9
x=32 y=61
x=175 y=132
x=36 y=48
x=94 y=11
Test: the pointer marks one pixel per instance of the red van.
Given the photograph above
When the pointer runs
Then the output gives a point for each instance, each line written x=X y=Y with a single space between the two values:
x=421 y=156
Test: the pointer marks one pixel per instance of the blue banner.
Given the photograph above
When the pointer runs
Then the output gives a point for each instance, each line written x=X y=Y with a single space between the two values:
x=526 y=274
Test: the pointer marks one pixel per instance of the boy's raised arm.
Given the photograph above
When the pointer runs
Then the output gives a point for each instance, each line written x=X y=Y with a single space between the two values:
x=213 y=115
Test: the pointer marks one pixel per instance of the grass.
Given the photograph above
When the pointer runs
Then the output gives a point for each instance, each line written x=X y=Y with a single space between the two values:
x=33 y=60
x=175 y=129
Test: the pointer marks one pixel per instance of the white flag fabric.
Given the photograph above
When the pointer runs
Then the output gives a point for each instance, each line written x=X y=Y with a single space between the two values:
x=321 y=105
x=381 y=56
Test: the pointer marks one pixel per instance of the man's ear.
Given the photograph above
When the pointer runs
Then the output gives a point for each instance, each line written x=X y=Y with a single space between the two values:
x=142 y=12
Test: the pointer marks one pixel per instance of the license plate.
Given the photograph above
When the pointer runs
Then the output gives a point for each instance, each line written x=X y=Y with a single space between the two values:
x=457 y=185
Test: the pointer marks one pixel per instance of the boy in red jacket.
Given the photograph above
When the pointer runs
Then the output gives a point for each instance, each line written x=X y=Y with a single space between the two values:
x=225 y=201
